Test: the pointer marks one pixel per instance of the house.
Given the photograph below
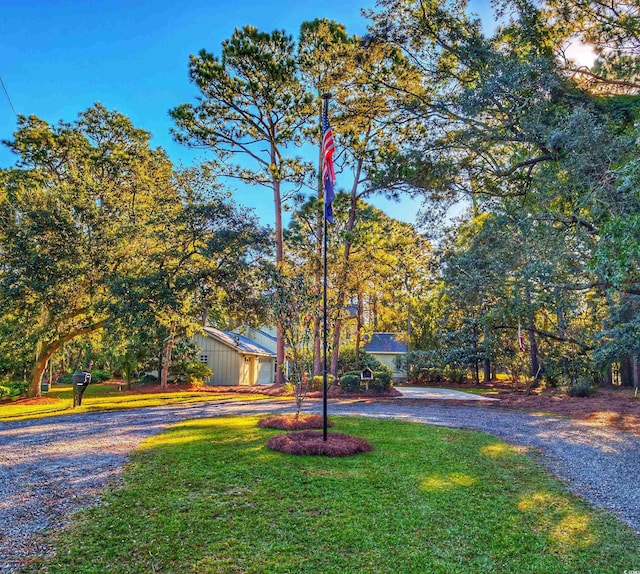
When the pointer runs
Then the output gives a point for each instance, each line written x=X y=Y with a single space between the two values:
x=386 y=347
x=234 y=358
x=266 y=337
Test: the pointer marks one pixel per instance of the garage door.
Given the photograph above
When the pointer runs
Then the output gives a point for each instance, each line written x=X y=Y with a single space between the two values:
x=265 y=371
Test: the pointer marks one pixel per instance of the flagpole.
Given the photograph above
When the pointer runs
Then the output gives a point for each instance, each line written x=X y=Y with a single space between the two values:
x=325 y=103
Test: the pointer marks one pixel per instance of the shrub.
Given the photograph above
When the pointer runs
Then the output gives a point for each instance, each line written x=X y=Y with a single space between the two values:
x=65 y=379
x=288 y=388
x=12 y=388
x=196 y=372
x=347 y=361
x=350 y=383
x=381 y=382
x=148 y=380
x=582 y=389
x=317 y=382
x=100 y=376
x=18 y=388
x=421 y=367
x=425 y=376
x=455 y=376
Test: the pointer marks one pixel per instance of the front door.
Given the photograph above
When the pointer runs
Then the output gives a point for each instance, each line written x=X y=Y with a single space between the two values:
x=248 y=371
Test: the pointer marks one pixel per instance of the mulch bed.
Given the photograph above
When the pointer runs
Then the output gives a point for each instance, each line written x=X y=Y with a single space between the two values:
x=269 y=390
x=291 y=422
x=312 y=443
x=35 y=401
x=609 y=408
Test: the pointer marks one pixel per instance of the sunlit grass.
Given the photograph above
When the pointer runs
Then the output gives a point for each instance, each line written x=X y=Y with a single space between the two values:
x=207 y=497
x=99 y=397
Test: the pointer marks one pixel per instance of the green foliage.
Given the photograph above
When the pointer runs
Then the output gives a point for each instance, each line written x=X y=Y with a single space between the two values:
x=382 y=382
x=455 y=376
x=347 y=361
x=148 y=379
x=350 y=383
x=18 y=387
x=100 y=376
x=197 y=372
x=582 y=389
x=66 y=379
x=318 y=381
x=288 y=388
x=421 y=367
x=10 y=389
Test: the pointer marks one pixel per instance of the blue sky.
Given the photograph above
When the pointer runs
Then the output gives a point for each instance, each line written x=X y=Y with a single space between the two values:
x=61 y=56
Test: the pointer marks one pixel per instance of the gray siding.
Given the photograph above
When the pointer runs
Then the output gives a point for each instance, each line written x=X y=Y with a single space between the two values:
x=261 y=338
x=389 y=360
x=231 y=367
x=223 y=361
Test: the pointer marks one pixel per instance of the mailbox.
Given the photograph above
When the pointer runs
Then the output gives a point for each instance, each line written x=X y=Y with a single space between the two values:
x=366 y=374
x=80 y=383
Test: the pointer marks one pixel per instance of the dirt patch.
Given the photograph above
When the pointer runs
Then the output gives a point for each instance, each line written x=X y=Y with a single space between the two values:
x=311 y=443
x=291 y=422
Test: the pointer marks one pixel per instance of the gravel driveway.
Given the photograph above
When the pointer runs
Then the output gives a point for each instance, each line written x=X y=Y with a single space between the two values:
x=50 y=467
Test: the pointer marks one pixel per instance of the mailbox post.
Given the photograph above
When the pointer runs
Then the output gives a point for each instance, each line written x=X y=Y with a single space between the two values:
x=366 y=375
x=80 y=383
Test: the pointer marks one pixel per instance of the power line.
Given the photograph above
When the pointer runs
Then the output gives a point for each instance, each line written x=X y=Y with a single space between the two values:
x=8 y=98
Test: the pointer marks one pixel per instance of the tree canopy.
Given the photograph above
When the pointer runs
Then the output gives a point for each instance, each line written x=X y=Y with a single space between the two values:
x=536 y=155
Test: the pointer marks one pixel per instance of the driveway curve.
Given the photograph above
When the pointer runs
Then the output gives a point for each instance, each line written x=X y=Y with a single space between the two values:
x=50 y=467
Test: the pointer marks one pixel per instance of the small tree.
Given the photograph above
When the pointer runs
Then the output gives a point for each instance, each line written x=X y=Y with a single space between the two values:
x=292 y=303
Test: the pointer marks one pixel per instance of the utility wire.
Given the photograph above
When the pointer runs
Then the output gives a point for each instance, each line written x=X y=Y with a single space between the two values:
x=8 y=98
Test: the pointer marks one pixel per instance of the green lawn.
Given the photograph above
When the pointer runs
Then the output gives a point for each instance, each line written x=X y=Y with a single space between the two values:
x=99 y=397
x=207 y=497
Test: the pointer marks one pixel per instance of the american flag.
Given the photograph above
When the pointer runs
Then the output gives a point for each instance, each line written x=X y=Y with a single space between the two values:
x=521 y=339
x=328 y=173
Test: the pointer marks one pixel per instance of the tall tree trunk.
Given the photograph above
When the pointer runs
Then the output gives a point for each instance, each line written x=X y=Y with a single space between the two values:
x=487 y=355
x=628 y=374
x=317 y=346
x=562 y=328
x=358 y=328
x=88 y=357
x=533 y=345
x=280 y=348
x=37 y=371
x=168 y=348
x=476 y=361
x=335 y=351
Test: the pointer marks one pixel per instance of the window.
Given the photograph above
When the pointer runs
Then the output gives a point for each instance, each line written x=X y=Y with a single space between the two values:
x=204 y=359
